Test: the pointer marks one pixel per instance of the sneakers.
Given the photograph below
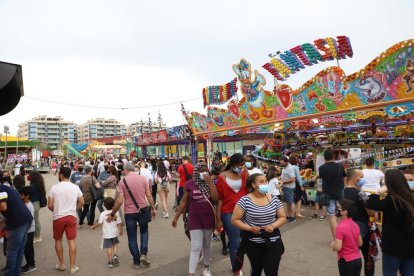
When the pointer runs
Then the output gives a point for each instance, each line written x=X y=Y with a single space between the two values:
x=165 y=215
x=291 y=220
x=145 y=260
x=110 y=264
x=115 y=259
x=156 y=206
x=321 y=218
x=36 y=240
x=60 y=267
x=135 y=266
x=74 y=270
x=27 y=269
x=224 y=251
x=206 y=272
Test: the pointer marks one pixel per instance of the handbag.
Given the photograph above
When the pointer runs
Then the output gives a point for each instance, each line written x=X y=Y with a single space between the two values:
x=96 y=193
x=109 y=192
x=145 y=212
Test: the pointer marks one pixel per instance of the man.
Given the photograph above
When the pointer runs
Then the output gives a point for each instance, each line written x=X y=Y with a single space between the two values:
x=77 y=175
x=373 y=178
x=288 y=181
x=134 y=190
x=65 y=199
x=18 y=221
x=147 y=174
x=103 y=175
x=184 y=173
x=356 y=180
x=100 y=166
x=333 y=178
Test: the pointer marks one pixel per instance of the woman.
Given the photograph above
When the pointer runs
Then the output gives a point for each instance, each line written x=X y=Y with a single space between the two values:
x=86 y=184
x=271 y=177
x=163 y=178
x=231 y=186
x=37 y=184
x=397 y=224
x=299 y=189
x=110 y=183
x=153 y=170
x=199 y=195
x=260 y=215
x=6 y=179
x=251 y=164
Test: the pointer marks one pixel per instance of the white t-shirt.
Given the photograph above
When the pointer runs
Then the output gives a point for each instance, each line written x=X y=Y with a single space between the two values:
x=234 y=184
x=287 y=173
x=167 y=164
x=65 y=199
x=29 y=206
x=273 y=190
x=147 y=174
x=373 y=178
x=17 y=169
x=255 y=170
x=109 y=229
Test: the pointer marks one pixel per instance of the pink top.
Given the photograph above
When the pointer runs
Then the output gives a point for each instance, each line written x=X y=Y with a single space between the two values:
x=138 y=186
x=348 y=231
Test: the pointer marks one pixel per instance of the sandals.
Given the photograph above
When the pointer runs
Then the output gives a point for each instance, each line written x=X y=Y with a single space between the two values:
x=60 y=267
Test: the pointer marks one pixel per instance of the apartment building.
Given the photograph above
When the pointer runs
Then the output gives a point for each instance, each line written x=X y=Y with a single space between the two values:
x=99 y=128
x=51 y=131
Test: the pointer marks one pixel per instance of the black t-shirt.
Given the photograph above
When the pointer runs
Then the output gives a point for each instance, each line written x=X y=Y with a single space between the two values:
x=361 y=214
x=17 y=214
x=332 y=175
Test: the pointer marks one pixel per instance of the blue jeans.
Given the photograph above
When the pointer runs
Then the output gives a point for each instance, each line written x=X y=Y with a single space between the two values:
x=391 y=265
x=16 y=242
x=234 y=237
x=131 y=221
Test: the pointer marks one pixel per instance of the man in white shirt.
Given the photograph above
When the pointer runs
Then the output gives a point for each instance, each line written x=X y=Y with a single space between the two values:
x=65 y=199
x=166 y=163
x=101 y=166
x=145 y=172
x=288 y=181
x=373 y=177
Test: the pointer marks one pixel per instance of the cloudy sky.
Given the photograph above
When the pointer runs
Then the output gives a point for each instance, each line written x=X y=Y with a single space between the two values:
x=129 y=54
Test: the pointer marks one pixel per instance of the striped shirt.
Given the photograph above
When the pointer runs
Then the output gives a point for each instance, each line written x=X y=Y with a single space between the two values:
x=255 y=215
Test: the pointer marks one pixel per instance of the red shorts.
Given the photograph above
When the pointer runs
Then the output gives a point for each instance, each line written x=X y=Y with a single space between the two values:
x=66 y=224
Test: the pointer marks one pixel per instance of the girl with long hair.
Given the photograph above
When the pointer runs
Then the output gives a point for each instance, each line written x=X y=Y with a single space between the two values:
x=271 y=177
x=397 y=223
x=163 y=178
x=231 y=186
x=37 y=184
x=199 y=195
x=111 y=183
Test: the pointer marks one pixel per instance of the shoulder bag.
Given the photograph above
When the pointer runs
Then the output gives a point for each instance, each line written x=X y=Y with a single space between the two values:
x=187 y=175
x=96 y=193
x=145 y=212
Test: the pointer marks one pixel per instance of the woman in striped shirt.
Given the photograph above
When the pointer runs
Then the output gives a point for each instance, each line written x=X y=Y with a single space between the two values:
x=260 y=215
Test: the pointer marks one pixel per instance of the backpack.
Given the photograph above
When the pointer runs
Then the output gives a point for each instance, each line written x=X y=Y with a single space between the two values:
x=164 y=182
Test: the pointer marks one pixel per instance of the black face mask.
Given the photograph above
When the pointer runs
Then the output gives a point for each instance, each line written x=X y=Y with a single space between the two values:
x=80 y=169
x=6 y=179
x=338 y=213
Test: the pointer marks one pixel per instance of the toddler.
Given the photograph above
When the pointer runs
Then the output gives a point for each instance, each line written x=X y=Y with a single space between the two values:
x=25 y=193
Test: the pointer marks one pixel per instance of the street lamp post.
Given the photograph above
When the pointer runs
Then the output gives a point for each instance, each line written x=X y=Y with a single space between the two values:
x=6 y=130
x=17 y=143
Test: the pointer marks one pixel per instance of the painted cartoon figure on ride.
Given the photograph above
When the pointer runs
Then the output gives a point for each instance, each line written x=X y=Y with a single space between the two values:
x=252 y=90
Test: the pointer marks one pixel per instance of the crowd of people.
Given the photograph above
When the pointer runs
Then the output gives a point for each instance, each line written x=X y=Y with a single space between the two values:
x=238 y=199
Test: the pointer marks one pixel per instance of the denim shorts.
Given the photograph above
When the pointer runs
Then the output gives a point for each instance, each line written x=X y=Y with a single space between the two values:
x=330 y=208
x=288 y=194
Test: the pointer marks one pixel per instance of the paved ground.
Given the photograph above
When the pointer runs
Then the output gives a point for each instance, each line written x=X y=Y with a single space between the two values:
x=306 y=244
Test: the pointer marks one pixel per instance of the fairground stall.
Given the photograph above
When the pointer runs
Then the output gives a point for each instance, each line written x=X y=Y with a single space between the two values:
x=367 y=113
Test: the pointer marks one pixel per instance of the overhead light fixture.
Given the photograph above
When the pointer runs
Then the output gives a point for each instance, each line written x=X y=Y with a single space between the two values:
x=277 y=125
x=322 y=126
x=315 y=121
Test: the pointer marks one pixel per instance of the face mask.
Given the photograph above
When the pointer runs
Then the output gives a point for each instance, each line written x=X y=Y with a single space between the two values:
x=411 y=183
x=361 y=182
x=7 y=179
x=338 y=213
x=202 y=176
x=263 y=189
x=80 y=169
x=248 y=165
x=237 y=170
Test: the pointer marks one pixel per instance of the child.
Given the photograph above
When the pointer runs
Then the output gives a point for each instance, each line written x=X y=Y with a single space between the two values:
x=110 y=231
x=320 y=199
x=25 y=193
x=274 y=186
x=347 y=240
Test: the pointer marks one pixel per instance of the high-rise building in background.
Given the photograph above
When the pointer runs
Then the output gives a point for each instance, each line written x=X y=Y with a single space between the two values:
x=51 y=131
x=99 y=128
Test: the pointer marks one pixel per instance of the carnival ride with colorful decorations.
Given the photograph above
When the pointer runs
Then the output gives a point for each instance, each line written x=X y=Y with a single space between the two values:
x=371 y=109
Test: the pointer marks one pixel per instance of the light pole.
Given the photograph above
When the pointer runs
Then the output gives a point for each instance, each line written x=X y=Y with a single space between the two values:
x=6 y=130
x=17 y=144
